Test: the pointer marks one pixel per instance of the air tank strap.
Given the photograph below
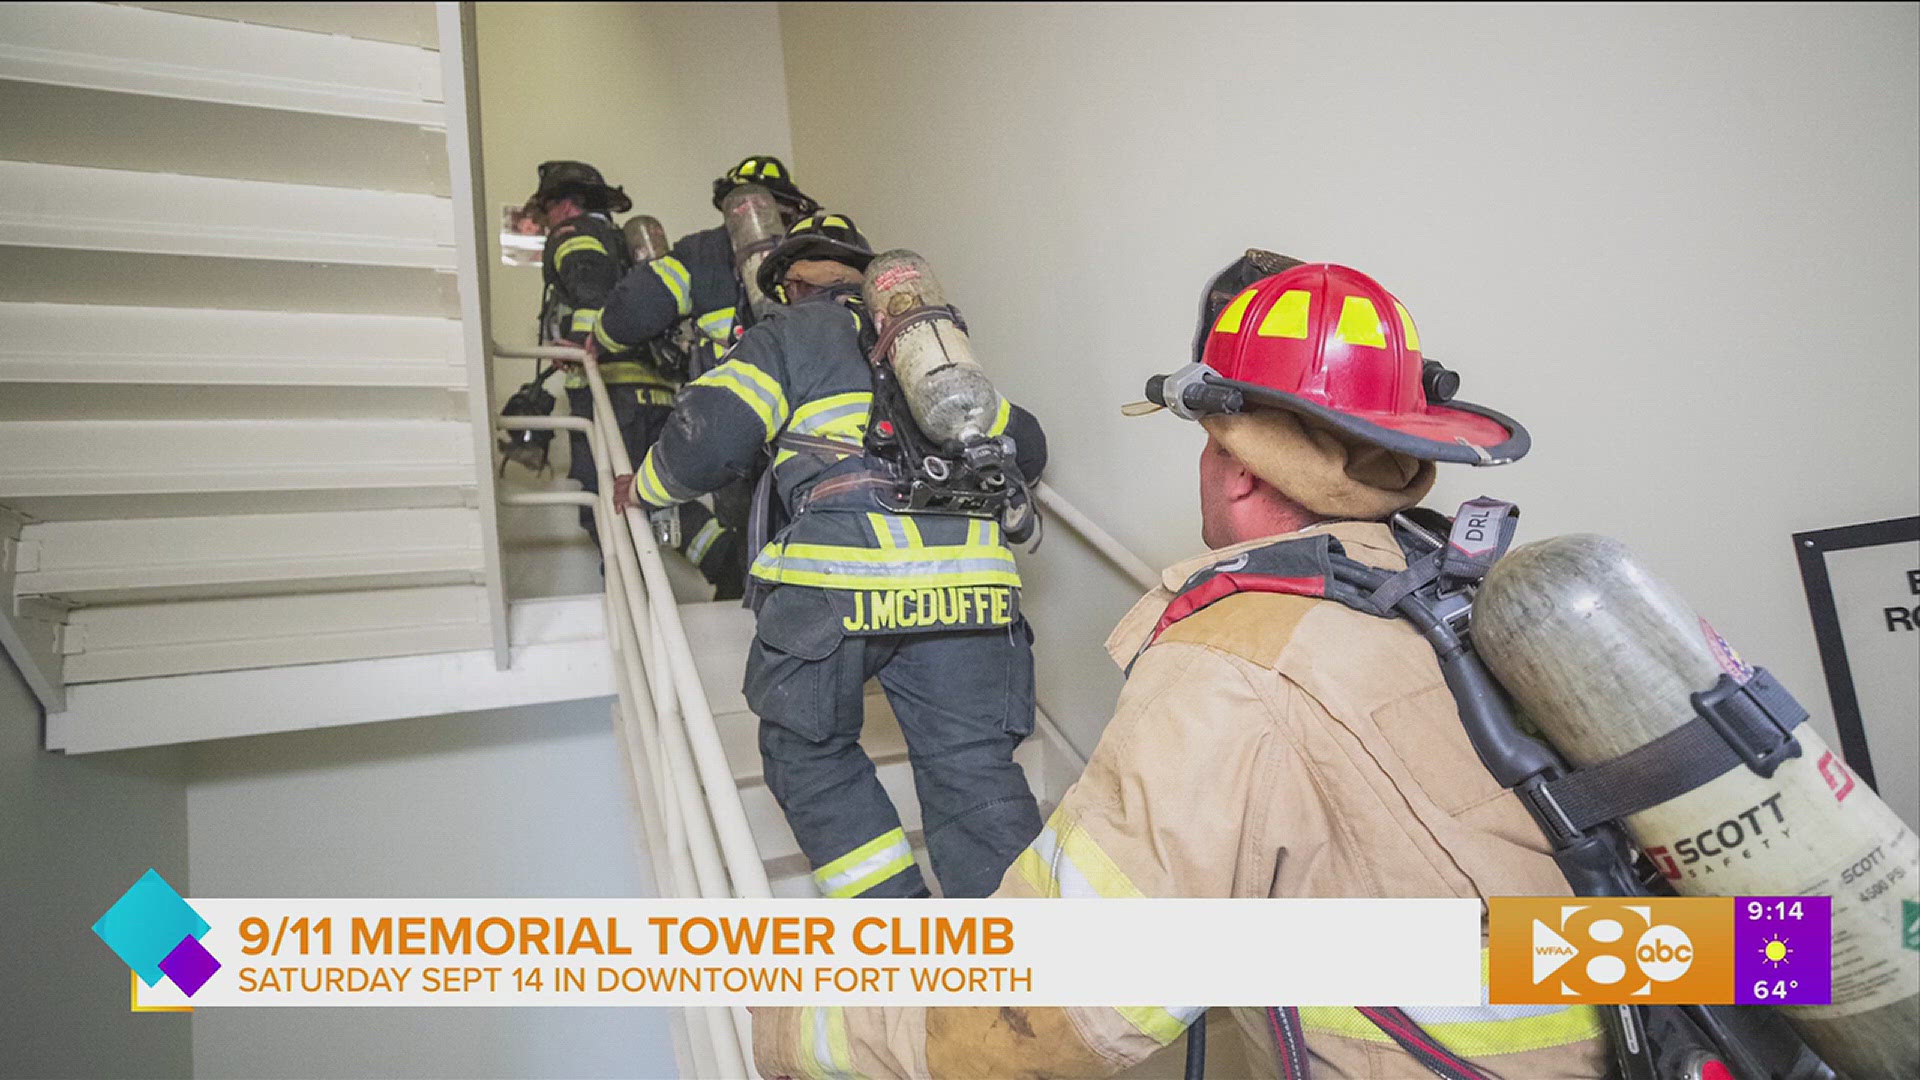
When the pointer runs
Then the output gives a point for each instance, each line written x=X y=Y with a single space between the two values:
x=898 y=324
x=1736 y=723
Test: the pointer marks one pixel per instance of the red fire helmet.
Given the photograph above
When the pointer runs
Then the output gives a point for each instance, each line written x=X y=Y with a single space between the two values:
x=1328 y=342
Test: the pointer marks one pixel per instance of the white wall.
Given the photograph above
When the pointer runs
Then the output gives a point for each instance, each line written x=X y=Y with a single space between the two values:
x=515 y=803
x=1680 y=243
x=662 y=98
x=75 y=833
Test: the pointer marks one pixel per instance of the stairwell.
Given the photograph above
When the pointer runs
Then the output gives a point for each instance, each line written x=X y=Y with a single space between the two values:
x=242 y=380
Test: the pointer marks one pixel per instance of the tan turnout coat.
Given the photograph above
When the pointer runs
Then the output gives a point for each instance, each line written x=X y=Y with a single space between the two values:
x=1266 y=746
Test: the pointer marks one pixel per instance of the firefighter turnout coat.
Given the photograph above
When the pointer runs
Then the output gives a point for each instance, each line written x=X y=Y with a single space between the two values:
x=694 y=280
x=1268 y=745
x=808 y=374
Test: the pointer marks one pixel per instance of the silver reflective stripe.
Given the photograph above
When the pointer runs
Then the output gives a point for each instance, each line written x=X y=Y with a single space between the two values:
x=896 y=530
x=704 y=539
x=1067 y=878
x=744 y=384
x=902 y=568
x=872 y=864
x=824 y=417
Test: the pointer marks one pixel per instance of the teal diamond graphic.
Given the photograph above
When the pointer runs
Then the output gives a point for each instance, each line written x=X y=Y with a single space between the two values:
x=147 y=923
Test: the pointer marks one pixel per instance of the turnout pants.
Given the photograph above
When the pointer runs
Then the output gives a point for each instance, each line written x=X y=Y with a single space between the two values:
x=964 y=700
x=706 y=541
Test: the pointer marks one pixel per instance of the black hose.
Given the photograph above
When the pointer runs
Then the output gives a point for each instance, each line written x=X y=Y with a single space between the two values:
x=1197 y=1048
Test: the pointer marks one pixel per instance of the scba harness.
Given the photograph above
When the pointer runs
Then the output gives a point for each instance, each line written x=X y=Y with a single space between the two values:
x=896 y=470
x=1741 y=721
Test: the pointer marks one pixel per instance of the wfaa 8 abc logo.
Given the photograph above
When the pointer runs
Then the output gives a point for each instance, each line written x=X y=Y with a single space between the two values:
x=1603 y=951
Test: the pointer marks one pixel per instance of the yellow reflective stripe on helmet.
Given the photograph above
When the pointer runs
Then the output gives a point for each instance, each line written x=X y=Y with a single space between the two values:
x=717 y=324
x=1001 y=416
x=648 y=486
x=1229 y=322
x=578 y=243
x=585 y=319
x=1406 y=327
x=830 y=566
x=703 y=540
x=1360 y=323
x=1288 y=316
x=865 y=866
x=825 y=1051
x=759 y=390
x=673 y=274
x=768 y=168
x=1500 y=1029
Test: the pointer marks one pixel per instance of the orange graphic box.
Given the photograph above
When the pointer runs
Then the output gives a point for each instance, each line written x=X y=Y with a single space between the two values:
x=1638 y=950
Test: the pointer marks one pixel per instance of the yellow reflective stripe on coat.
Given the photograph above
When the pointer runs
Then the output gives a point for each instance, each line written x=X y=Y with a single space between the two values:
x=585 y=319
x=831 y=566
x=1471 y=1031
x=578 y=243
x=648 y=487
x=607 y=343
x=759 y=390
x=717 y=325
x=825 y=1051
x=1064 y=861
x=836 y=416
x=673 y=274
x=895 y=532
x=865 y=866
x=1000 y=418
x=702 y=540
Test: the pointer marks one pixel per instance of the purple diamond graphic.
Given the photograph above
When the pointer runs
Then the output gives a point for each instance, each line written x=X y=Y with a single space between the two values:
x=189 y=965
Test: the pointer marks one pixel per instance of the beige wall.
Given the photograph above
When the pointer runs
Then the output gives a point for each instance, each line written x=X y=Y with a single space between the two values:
x=661 y=97
x=1679 y=243
x=75 y=833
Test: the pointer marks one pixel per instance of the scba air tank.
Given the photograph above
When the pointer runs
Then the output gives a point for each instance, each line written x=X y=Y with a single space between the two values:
x=646 y=238
x=753 y=229
x=951 y=398
x=1603 y=657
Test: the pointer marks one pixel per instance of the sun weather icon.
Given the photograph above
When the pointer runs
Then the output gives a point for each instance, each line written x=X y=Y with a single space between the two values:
x=1775 y=950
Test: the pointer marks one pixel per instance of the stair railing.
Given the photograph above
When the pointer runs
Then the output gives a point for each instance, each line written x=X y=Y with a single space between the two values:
x=690 y=806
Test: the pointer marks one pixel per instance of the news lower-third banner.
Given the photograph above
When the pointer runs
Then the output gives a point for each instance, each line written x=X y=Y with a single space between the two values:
x=203 y=952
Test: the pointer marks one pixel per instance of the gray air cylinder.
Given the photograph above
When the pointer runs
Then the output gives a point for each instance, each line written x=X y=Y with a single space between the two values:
x=753 y=228
x=646 y=239
x=950 y=396
x=1603 y=657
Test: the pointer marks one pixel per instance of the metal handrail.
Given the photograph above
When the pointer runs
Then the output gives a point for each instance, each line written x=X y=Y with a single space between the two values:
x=668 y=729
x=646 y=709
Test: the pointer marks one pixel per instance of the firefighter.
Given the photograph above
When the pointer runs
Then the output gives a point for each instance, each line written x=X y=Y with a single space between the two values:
x=852 y=589
x=1269 y=743
x=584 y=257
x=697 y=281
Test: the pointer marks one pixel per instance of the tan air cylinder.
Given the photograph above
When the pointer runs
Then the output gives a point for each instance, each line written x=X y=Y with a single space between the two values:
x=1603 y=657
x=753 y=228
x=950 y=396
x=646 y=239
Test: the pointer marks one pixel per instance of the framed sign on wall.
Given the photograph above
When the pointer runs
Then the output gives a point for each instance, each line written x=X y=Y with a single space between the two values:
x=1863 y=593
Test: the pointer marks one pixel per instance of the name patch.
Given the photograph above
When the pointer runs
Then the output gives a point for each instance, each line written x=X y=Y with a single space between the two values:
x=955 y=607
